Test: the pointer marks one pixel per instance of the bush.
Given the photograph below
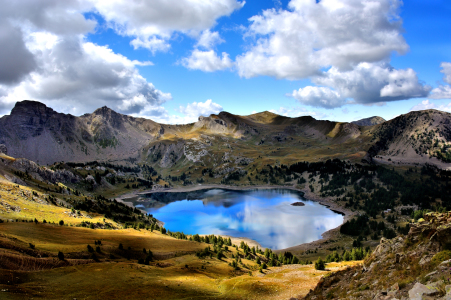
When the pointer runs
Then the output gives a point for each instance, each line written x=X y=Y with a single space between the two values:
x=441 y=256
x=61 y=222
x=149 y=258
x=60 y=255
x=121 y=247
x=31 y=246
x=90 y=249
x=319 y=264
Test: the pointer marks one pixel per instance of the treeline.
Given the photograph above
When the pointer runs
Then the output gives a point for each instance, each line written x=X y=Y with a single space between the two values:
x=354 y=254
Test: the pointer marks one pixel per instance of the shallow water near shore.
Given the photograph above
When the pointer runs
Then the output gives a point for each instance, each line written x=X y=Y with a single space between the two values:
x=265 y=216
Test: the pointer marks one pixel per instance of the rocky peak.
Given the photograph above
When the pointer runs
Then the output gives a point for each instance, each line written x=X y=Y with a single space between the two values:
x=32 y=109
x=115 y=119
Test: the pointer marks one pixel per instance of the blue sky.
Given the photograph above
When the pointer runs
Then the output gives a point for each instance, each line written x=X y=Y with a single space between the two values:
x=172 y=61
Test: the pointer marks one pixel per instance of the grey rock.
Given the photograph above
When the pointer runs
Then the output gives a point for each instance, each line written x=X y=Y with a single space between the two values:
x=419 y=290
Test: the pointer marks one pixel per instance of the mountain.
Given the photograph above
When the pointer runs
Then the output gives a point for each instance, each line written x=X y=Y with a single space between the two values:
x=224 y=142
x=39 y=133
x=416 y=137
x=369 y=121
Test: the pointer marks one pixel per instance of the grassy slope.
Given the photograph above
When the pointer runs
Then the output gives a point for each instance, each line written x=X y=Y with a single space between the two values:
x=179 y=277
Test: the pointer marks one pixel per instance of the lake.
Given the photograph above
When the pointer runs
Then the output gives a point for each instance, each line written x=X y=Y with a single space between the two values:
x=265 y=216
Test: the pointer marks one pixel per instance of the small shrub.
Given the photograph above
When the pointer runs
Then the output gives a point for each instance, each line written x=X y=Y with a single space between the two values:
x=121 y=247
x=98 y=249
x=141 y=261
x=319 y=264
x=61 y=222
x=60 y=255
x=32 y=246
x=90 y=249
x=441 y=256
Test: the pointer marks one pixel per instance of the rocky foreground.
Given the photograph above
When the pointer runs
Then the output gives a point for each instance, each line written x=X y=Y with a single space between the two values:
x=416 y=266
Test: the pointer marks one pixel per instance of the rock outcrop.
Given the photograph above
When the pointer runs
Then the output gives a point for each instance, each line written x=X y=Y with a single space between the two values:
x=3 y=149
x=416 y=266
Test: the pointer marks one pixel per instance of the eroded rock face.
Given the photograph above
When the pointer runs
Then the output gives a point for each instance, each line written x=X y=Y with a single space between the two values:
x=405 y=267
x=44 y=173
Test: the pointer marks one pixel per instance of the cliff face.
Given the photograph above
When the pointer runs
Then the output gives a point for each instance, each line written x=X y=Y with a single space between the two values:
x=416 y=266
x=38 y=133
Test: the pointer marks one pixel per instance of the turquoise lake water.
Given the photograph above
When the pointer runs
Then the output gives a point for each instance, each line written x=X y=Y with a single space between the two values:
x=265 y=216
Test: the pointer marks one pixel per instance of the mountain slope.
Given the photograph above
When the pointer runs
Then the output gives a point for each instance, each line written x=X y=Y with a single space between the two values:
x=37 y=132
x=225 y=142
x=369 y=121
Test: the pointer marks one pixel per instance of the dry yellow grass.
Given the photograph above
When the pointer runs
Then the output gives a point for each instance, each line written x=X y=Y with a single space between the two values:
x=180 y=277
x=19 y=202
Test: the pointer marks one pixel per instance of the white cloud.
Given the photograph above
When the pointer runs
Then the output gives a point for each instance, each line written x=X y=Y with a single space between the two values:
x=45 y=57
x=367 y=83
x=446 y=69
x=190 y=112
x=299 y=42
x=426 y=104
x=72 y=73
x=207 y=61
x=196 y=109
x=152 y=23
x=294 y=112
x=443 y=91
x=318 y=97
x=209 y=39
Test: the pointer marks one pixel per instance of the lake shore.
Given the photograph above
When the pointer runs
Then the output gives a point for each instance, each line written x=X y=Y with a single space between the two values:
x=328 y=202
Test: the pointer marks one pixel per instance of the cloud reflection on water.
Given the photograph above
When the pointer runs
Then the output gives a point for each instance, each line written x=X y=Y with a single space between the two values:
x=265 y=216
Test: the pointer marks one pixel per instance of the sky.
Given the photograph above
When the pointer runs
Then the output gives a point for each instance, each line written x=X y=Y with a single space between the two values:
x=174 y=60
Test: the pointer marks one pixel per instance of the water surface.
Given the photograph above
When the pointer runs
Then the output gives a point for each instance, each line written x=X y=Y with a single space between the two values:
x=265 y=216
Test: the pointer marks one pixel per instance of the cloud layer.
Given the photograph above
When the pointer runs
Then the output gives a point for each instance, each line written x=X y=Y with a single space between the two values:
x=152 y=24
x=365 y=84
x=297 y=43
x=45 y=55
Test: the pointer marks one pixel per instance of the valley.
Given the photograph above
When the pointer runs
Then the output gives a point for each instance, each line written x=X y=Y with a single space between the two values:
x=67 y=185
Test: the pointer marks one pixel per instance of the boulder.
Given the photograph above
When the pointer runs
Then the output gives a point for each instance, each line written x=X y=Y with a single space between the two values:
x=419 y=290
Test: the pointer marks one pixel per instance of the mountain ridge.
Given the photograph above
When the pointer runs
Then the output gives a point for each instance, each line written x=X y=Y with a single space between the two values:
x=39 y=133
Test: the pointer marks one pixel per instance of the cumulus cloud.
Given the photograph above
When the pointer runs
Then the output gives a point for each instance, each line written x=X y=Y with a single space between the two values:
x=367 y=83
x=207 y=61
x=427 y=104
x=318 y=96
x=310 y=35
x=16 y=61
x=45 y=56
x=209 y=39
x=152 y=23
x=197 y=109
x=443 y=91
x=74 y=73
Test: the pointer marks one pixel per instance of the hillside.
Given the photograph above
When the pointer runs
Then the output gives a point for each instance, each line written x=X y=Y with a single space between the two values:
x=415 y=266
